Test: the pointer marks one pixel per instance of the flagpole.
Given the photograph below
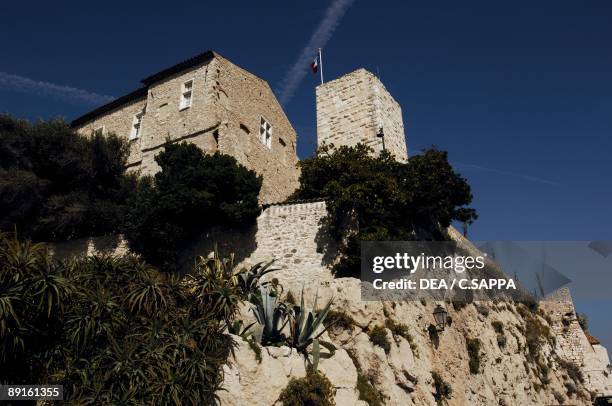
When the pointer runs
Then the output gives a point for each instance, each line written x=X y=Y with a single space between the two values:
x=321 y=60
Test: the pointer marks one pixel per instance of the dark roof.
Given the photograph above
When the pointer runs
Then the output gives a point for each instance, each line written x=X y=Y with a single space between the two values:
x=135 y=95
x=179 y=67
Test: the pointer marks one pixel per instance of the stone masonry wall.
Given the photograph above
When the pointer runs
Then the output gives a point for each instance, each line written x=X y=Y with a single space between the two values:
x=573 y=345
x=242 y=100
x=560 y=308
x=292 y=234
x=352 y=109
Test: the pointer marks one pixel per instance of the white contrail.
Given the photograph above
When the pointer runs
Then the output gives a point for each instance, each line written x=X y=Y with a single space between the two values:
x=508 y=173
x=25 y=85
x=319 y=38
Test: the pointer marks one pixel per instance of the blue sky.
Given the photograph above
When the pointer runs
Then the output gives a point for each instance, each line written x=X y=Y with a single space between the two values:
x=519 y=93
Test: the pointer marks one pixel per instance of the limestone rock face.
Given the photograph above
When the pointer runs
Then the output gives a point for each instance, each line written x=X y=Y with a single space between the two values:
x=403 y=376
x=250 y=382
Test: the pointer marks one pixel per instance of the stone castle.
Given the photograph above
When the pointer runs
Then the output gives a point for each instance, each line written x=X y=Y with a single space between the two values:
x=209 y=101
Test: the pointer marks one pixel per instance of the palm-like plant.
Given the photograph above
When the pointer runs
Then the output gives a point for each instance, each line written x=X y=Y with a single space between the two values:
x=213 y=286
x=113 y=330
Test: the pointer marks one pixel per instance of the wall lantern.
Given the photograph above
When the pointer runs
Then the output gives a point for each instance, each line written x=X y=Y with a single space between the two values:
x=440 y=314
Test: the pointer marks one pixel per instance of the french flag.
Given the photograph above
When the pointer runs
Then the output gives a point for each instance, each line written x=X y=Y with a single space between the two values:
x=314 y=65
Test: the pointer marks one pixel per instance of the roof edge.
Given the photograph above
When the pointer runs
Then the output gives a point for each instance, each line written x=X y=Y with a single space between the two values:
x=120 y=101
x=179 y=67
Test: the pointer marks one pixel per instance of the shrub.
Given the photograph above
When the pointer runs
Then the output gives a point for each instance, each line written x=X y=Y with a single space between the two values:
x=312 y=390
x=535 y=333
x=368 y=392
x=339 y=319
x=583 y=320
x=388 y=200
x=459 y=303
x=573 y=370
x=558 y=396
x=255 y=348
x=443 y=389
x=501 y=341
x=434 y=337
x=56 y=184
x=402 y=330
x=473 y=349
x=378 y=336
x=398 y=329
x=570 y=388
x=482 y=309
x=192 y=191
x=498 y=326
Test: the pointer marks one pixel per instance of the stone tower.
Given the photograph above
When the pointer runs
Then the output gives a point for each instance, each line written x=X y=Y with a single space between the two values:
x=354 y=109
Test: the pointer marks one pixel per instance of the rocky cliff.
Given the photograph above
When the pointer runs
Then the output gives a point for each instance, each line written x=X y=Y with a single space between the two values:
x=488 y=354
x=417 y=368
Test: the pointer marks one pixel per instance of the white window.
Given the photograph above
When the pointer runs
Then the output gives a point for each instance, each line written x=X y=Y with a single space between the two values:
x=99 y=131
x=265 y=133
x=135 y=133
x=186 y=94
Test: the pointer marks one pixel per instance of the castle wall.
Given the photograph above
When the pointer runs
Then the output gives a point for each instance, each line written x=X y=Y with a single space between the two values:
x=164 y=120
x=293 y=234
x=241 y=100
x=353 y=108
x=572 y=343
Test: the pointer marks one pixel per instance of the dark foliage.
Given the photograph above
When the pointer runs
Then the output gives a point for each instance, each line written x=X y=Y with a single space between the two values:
x=367 y=391
x=191 y=192
x=339 y=320
x=113 y=330
x=312 y=390
x=434 y=337
x=473 y=348
x=378 y=336
x=443 y=389
x=381 y=199
x=56 y=184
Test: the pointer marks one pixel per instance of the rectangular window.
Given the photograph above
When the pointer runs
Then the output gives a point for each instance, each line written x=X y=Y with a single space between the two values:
x=186 y=94
x=136 y=123
x=265 y=133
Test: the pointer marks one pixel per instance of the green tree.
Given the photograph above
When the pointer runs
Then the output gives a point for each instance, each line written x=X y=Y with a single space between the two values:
x=373 y=198
x=191 y=192
x=56 y=184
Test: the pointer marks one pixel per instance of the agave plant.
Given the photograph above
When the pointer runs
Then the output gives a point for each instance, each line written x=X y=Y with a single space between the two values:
x=272 y=314
x=307 y=326
x=249 y=280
